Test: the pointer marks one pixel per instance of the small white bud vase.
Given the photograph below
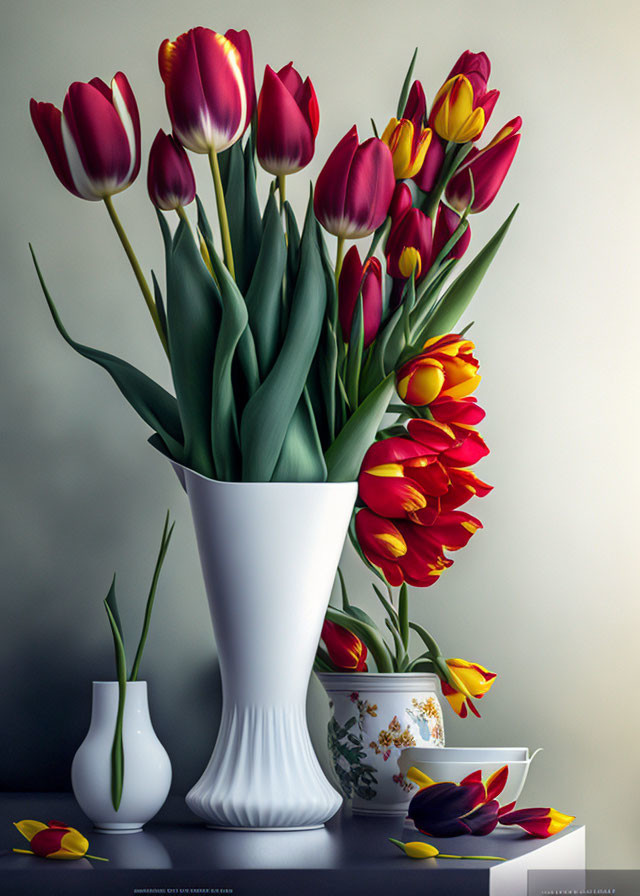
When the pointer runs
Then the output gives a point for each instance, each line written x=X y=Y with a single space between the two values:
x=147 y=769
x=269 y=553
x=375 y=716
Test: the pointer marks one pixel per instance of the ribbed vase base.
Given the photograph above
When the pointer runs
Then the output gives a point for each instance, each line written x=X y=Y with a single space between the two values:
x=264 y=774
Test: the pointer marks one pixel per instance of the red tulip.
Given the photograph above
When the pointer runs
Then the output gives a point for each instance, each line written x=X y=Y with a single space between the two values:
x=346 y=651
x=408 y=248
x=208 y=100
x=469 y=446
x=94 y=143
x=447 y=222
x=541 y=823
x=170 y=179
x=476 y=67
x=457 y=410
x=401 y=202
x=408 y=552
x=356 y=278
x=446 y=367
x=242 y=42
x=425 y=178
x=288 y=118
x=354 y=189
x=415 y=108
x=489 y=167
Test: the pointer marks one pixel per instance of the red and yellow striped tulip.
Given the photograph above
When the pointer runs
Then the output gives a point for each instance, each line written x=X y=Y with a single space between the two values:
x=469 y=446
x=453 y=115
x=465 y=411
x=54 y=840
x=488 y=166
x=208 y=87
x=288 y=120
x=540 y=823
x=407 y=552
x=346 y=651
x=408 y=144
x=476 y=67
x=445 y=369
x=353 y=191
x=357 y=279
x=467 y=680
x=93 y=144
x=170 y=179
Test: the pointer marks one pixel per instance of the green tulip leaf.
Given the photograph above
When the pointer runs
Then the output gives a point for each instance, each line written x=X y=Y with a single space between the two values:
x=117 y=749
x=268 y=413
x=354 y=357
x=403 y=614
x=264 y=297
x=301 y=458
x=454 y=302
x=428 y=640
x=193 y=318
x=155 y=405
x=345 y=455
x=404 y=93
x=225 y=440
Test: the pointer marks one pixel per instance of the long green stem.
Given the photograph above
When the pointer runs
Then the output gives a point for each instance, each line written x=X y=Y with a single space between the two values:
x=222 y=212
x=137 y=270
x=164 y=545
x=339 y=258
x=282 y=190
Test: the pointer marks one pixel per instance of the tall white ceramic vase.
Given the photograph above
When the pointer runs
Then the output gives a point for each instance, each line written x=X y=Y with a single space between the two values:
x=269 y=554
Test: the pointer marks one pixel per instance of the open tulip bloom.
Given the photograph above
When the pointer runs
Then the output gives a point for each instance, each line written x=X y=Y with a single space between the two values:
x=286 y=353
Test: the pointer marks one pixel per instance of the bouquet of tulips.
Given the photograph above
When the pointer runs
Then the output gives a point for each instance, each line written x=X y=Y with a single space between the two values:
x=283 y=362
x=285 y=353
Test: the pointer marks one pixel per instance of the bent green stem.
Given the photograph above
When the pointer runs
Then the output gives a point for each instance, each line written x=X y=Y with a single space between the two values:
x=222 y=212
x=137 y=270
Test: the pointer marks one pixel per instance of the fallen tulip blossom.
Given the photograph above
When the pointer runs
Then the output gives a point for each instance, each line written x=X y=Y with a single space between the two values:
x=419 y=850
x=54 y=840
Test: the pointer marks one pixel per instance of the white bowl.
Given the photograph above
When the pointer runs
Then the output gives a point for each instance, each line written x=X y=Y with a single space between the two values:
x=455 y=763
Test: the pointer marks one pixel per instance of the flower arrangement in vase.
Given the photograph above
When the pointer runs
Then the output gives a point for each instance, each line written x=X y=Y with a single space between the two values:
x=283 y=361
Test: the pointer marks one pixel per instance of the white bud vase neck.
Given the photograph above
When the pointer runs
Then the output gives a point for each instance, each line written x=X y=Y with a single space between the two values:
x=147 y=769
x=269 y=554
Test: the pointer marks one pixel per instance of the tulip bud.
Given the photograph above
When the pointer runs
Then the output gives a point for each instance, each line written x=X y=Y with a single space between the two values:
x=476 y=67
x=288 y=118
x=207 y=97
x=346 y=651
x=408 y=145
x=416 y=106
x=447 y=222
x=453 y=115
x=354 y=189
x=408 y=249
x=53 y=840
x=466 y=680
x=170 y=179
x=356 y=278
x=94 y=143
x=425 y=178
x=488 y=166
x=401 y=202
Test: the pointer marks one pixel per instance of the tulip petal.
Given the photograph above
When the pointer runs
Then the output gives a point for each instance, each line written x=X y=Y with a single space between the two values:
x=125 y=105
x=242 y=42
x=47 y=120
x=29 y=828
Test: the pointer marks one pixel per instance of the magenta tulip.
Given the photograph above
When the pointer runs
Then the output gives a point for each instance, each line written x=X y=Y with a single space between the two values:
x=242 y=43
x=476 y=67
x=446 y=224
x=415 y=108
x=288 y=118
x=354 y=189
x=356 y=278
x=489 y=167
x=208 y=100
x=170 y=179
x=401 y=202
x=94 y=143
x=408 y=249
x=431 y=167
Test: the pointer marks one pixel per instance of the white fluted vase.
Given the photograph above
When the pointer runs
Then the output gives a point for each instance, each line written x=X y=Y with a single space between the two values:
x=269 y=553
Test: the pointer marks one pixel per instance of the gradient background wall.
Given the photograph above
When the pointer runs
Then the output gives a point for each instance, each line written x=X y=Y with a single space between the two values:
x=547 y=594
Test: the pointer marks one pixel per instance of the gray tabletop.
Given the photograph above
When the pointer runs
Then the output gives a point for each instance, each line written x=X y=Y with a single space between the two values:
x=176 y=854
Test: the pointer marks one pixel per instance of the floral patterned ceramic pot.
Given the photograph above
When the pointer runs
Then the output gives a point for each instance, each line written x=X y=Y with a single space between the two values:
x=374 y=717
